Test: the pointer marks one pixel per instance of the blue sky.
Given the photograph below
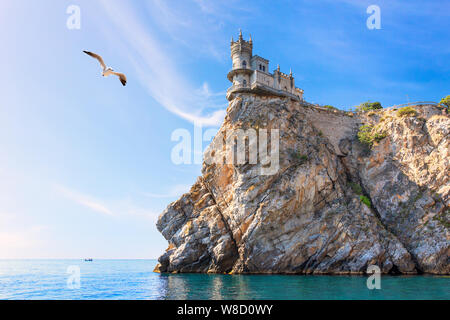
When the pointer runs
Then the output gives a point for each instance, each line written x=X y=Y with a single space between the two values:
x=85 y=164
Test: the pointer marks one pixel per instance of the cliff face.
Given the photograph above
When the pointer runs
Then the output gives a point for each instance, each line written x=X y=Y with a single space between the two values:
x=309 y=216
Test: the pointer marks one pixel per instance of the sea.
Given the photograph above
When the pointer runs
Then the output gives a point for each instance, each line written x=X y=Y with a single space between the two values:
x=135 y=280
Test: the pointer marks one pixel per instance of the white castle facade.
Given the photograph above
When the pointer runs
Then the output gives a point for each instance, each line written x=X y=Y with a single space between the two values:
x=250 y=73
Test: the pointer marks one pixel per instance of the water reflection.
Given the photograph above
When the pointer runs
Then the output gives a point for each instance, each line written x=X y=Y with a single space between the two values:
x=216 y=293
x=217 y=287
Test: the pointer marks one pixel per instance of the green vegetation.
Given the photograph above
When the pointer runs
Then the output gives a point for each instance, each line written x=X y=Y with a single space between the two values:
x=356 y=188
x=368 y=134
x=407 y=112
x=368 y=106
x=302 y=158
x=298 y=158
x=445 y=101
x=364 y=135
x=330 y=107
x=384 y=118
x=359 y=191
x=365 y=200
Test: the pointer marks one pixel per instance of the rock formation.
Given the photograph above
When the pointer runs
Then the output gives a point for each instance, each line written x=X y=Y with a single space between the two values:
x=334 y=206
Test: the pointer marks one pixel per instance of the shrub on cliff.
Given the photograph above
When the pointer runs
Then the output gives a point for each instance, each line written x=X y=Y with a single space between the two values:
x=364 y=135
x=356 y=188
x=365 y=200
x=367 y=106
x=367 y=135
x=445 y=101
x=301 y=158
x=407 y=112
x=298 y=157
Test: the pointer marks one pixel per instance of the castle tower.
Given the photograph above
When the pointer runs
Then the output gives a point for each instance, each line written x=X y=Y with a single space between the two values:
x=241 y=55
x=241 y=52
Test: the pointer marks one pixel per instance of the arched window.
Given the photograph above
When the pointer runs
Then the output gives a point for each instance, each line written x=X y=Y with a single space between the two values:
x=244 y=64
x=244 y=83
x=264 y=68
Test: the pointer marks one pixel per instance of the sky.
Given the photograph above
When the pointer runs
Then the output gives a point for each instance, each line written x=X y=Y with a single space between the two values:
x=85 y=164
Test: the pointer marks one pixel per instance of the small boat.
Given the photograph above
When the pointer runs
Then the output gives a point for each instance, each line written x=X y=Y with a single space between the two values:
x=88 y=260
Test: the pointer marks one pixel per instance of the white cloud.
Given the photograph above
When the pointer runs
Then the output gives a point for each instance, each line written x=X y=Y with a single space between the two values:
x=84 y=200
x=156 y=70
x=118 y=208
x=198 y=24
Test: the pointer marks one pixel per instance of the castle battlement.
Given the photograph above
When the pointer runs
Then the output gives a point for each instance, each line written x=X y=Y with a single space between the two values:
x=250 y=73
x=285 y=75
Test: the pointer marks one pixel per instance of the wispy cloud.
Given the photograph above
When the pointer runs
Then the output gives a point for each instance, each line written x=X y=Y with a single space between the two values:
x=156 y=70
x=84 y=200
x=199 y=25
x=117 y=208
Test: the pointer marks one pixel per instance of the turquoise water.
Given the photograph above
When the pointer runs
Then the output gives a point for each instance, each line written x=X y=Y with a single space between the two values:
x=134 y=279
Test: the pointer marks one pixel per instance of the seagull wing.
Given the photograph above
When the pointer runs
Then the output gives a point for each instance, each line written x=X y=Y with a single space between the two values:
x=122 y=77
x=96 y=56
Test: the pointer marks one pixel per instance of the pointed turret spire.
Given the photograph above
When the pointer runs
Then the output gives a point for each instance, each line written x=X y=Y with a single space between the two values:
x=250 y=40
x=290 y=72
x=232 y=40
x=278 y=68
x=240 y=34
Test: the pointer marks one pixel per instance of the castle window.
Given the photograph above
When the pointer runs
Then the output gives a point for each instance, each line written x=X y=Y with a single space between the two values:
x=260 y=67
x=245 y=83
x=244 y=64
x=264 y=68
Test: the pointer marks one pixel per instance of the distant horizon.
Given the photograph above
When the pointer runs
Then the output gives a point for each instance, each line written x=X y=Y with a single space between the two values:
x=78 y=259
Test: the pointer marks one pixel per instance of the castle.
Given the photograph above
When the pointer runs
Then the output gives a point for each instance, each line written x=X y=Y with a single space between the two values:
x=250 y=73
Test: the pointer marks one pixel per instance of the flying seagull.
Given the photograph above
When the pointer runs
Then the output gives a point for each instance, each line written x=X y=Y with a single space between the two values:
x=107 y=71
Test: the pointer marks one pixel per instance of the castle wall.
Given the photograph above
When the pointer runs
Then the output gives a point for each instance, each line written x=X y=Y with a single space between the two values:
x=238 y=80
x=283 y=83
x=257 y=62
x=262 y=78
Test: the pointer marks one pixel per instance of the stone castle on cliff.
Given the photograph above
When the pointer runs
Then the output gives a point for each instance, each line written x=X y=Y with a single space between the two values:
x=250 y=73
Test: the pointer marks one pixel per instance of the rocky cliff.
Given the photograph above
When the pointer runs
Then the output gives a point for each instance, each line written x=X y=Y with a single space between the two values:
x=334 y=205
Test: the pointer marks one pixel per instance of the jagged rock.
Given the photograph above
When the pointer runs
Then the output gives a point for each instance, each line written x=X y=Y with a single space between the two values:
x=406 y=176
x=307 y=217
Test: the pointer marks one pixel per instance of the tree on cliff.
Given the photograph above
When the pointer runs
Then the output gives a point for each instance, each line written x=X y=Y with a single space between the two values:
x=446 y=101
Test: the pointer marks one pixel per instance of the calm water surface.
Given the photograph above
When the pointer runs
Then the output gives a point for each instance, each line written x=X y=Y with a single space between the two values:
x=134 y=279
